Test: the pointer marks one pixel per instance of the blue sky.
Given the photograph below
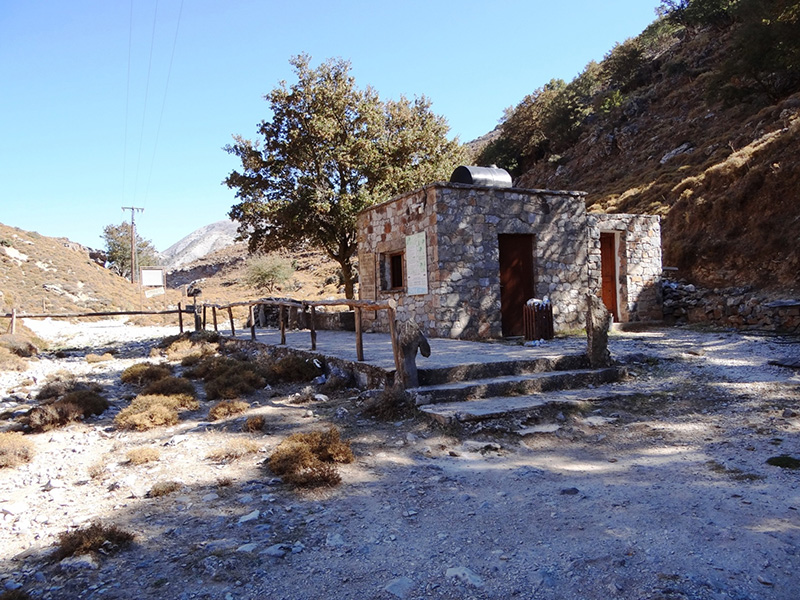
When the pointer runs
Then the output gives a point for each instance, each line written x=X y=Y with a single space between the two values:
x=108 y=103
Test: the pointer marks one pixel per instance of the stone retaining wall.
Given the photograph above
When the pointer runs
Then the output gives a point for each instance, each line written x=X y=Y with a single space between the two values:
x=741 y=308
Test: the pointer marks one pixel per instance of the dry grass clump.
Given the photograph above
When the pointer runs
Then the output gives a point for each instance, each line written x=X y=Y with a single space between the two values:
x=10 y=361
x=309 y=459
x=15 y=449
x=171 y=386
x=142 y=455
x=233 y=451
x=254 y=424
x=292 y=368
x=18 y=345
x=227 y=377
x=72 y=406
x=392 y=404
x=93 y=538
x=62 y=383
x=163 y=488
x=52 y=416
x=97 y=358
x=147 y=412
x=90 y=402
x=143 y=373
x=227 y=408
x=177 y=347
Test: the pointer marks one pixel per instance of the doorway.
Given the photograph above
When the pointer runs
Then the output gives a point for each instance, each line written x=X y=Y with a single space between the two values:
x=608 y=272
x=516 y=280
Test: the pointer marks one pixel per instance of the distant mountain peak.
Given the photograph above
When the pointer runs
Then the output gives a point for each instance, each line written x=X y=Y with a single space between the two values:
x=199 y=243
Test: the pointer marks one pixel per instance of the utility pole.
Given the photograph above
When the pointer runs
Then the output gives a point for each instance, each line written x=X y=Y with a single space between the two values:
x=133 y=210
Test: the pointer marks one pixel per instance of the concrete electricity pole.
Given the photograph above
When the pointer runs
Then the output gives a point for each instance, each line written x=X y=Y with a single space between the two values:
x=133 y=210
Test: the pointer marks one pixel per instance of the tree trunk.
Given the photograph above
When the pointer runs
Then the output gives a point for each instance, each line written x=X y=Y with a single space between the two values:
x=347 y=276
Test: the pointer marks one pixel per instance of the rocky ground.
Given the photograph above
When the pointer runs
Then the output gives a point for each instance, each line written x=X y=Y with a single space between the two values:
x=664 y=495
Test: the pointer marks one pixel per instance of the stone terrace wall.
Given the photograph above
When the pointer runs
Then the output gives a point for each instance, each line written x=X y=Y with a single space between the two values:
x=741 y=308
x=639 y=263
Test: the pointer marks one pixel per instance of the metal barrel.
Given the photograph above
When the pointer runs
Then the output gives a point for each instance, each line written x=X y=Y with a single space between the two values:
x=482 y=176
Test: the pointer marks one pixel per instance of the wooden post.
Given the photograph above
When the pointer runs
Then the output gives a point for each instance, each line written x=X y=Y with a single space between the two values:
x=204 y=317
x=214 y=317
x=281 y=312
x=359 y=339
x=180 y=316
x=230 y=314
x=252 y=323
x=312 y=326
x=13 y=321
x=395 y=345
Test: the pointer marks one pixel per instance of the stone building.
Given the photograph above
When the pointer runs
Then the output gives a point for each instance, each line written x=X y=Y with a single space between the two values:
x=461 y=260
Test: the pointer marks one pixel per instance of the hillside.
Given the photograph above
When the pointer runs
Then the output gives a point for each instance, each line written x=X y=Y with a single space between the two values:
x=200 y=243
x=662 y=126
x=54 y=275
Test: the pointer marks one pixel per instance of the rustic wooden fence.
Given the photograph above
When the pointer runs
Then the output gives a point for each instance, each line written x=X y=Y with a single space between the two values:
x=283 y=304
x=14 y=315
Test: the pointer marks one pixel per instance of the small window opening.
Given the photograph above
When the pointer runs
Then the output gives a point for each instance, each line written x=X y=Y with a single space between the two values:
x=396 y=271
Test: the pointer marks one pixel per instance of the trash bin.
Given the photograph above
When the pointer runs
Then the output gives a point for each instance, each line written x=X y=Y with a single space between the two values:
x=537 y=319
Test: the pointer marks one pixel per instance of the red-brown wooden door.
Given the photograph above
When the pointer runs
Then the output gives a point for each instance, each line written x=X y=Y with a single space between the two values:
x=608 y=269
x=516 y=279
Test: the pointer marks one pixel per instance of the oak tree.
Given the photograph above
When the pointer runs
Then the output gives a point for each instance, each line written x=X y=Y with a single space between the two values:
x=118 y=249
x=329 y=150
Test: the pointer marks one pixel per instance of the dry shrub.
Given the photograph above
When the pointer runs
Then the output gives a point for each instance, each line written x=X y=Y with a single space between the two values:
x=254 y=424
x=170 y=386
x=96 y=470
x=234 y=450
x=308 y=459
x=227 y=408
x=62 y=383
x=52 y=416
x=143 y=373
x=90 y=402
x=96 y=358
x=390 y=405
x=227 y=377
x=142 y=455
x=18 y=345
x=15 y=449
x=162 y=488
x=95 y=537
x=146 y=412
x=10 y=361
x=304 y=396
x=179 y=346
x=292 y=368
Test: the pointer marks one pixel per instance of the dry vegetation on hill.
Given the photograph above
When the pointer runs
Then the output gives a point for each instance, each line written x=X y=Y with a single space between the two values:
x=655 y=129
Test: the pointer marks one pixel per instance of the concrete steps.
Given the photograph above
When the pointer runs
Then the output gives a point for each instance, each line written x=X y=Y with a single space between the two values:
x=506 y=406
x=475 y=392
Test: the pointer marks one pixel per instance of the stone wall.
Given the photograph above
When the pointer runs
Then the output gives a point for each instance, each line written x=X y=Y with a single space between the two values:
x=638 y=263
x=462 y=224
x=741 y=308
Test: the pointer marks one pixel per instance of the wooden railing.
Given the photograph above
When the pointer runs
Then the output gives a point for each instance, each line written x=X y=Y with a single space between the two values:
x=358 y=306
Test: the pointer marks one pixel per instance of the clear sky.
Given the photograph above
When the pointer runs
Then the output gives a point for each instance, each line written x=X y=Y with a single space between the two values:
x=111 y=103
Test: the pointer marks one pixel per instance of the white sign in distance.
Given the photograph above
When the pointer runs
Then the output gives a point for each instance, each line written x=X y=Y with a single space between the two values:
x=152 y=277
x=416 y=264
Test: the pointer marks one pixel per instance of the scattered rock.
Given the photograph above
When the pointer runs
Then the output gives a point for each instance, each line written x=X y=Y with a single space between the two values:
x=400 y=587
x=465 y=576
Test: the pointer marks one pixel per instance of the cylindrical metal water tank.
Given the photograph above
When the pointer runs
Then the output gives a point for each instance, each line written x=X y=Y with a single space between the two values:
x=484 y=176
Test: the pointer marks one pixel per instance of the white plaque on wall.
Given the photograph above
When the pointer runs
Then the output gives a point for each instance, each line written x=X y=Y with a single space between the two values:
x=416 y=264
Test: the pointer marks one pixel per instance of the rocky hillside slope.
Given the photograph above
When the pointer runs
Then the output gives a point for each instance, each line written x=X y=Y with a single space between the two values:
x=40 y=274
x=200 y=243
x=723 y=172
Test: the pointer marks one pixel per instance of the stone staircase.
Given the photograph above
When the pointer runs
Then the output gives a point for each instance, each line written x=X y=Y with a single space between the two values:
x=474 y=392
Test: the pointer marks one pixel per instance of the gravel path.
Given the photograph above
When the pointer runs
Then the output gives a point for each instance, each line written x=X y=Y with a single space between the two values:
x=665 y=495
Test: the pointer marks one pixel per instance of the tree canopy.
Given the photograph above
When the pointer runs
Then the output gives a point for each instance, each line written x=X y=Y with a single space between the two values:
x=330 y=150
x=118 y=249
